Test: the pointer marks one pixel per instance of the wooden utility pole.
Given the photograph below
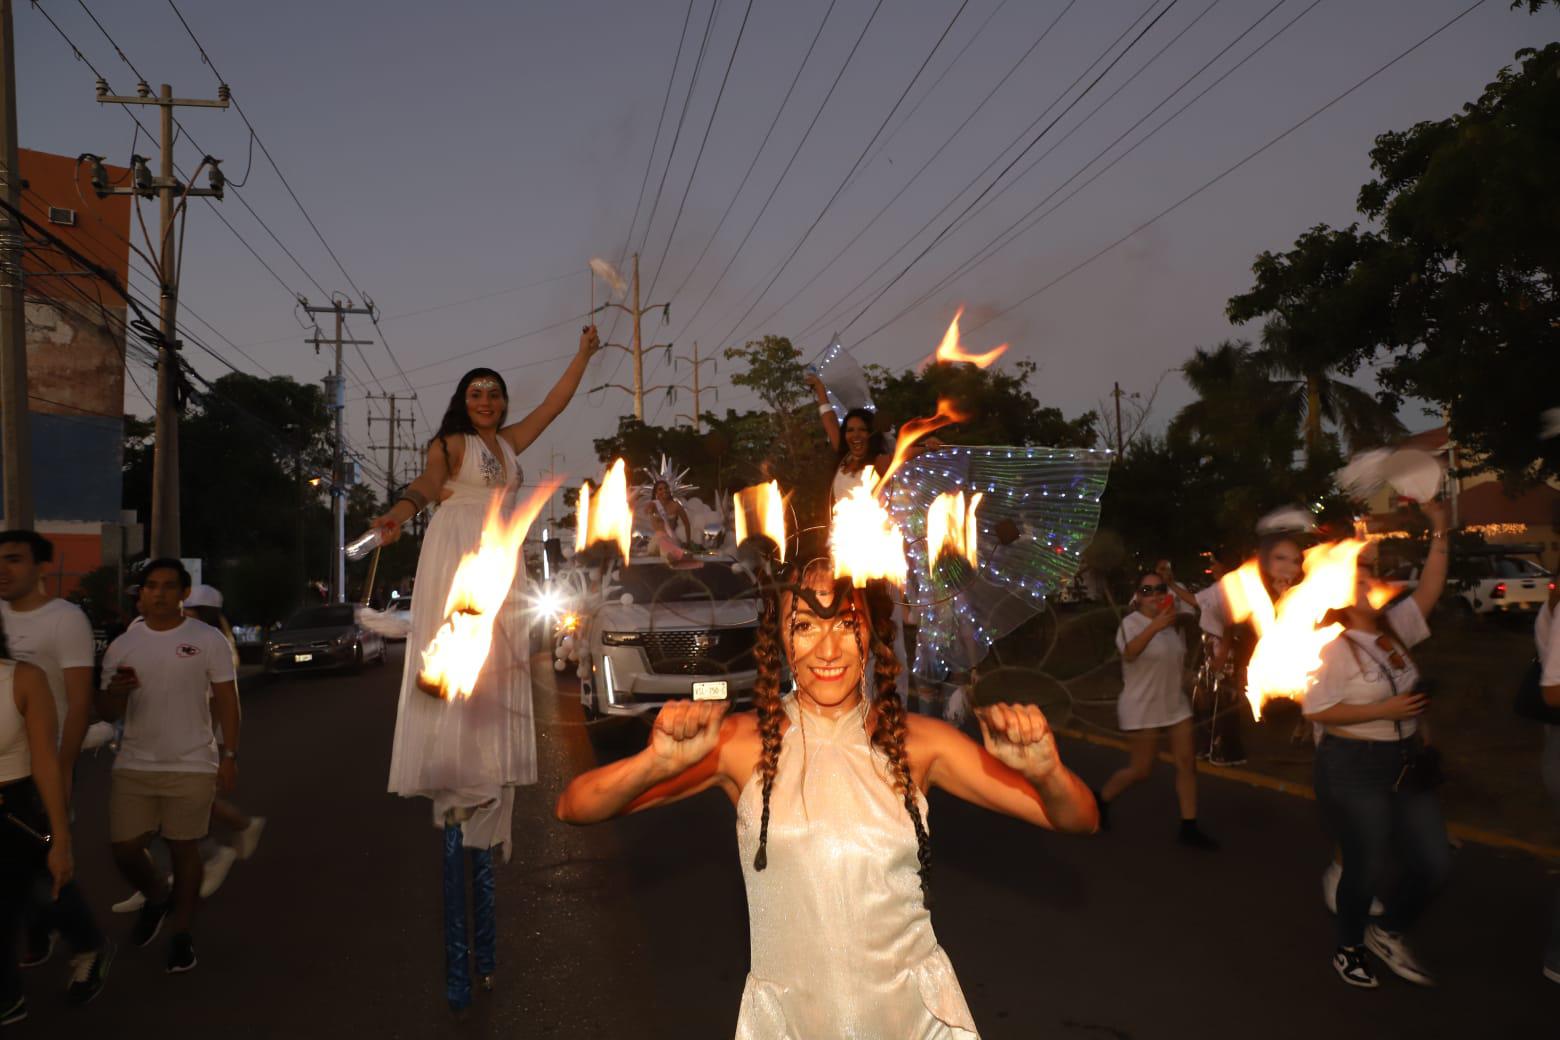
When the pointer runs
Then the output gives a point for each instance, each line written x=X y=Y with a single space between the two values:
x=336 y=392
x=696 y=420
x=16 y=499
x=1116 y=393
x=636 y=349
x=395 y=421
x=168 y=189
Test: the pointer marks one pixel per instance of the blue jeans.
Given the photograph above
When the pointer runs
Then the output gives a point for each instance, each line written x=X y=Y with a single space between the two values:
x=1374 y=824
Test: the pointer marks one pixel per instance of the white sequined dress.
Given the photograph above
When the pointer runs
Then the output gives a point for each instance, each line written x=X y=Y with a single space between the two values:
x=842 y=943
x=467 y=755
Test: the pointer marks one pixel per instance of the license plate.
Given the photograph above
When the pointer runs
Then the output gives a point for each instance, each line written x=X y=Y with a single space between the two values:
x=301 y=658
x=709 y=691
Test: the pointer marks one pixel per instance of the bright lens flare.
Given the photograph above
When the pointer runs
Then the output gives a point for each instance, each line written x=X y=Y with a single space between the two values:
x=951 y=529
x=949 y=351
x=864 y=540
x=767 y=506
x=607 y=516
x=453 y=659
x=1289 y=644
x=913 y=431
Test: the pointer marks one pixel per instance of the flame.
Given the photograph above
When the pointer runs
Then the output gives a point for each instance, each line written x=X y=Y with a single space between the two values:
x=606 y=517
x=1289 y=644
x=950 y=352
x=768 y=506
x=1379 y=594
x=864 y=540
x=913 y=431
x=951 y=528
x=454 y=657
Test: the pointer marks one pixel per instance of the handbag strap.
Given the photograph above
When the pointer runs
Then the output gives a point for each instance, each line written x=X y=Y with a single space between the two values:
x=1386 y=670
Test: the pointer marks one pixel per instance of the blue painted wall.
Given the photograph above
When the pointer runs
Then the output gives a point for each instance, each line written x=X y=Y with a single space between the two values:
x=76 y=467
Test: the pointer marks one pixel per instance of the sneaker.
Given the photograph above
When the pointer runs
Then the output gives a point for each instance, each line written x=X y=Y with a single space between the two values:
x=149 y=923
x=246 y=839
x=216 y=871
x=1395 y=954
x=135 y=900
x=17 y=1012
x=1330 y=878
x=87 y=972
x=1192 y=837
x=181 y=953
x=40 y=948
x=1226 y=760
x=1352 y=967
x=1552 y=974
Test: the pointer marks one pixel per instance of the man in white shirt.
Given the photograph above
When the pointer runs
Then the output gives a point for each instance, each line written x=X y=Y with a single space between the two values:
x=167 y=677
x=55 y=636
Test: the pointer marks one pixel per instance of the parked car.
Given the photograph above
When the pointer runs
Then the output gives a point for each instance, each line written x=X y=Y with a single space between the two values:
x=663 y=632
x=1487 y=584
x=321 y=639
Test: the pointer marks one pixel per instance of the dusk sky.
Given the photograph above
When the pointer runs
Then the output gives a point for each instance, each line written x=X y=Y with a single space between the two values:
x=465 y=161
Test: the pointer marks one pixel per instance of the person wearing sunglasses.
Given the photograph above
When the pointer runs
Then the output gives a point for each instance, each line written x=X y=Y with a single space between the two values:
x=1371 y=782
x=1153 y=701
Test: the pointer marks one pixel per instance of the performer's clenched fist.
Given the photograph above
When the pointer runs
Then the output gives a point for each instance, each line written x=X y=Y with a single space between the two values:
x=1018 y=736
x=686 y=731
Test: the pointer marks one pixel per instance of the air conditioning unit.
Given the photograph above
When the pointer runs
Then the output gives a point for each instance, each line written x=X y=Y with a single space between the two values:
x=60 y=215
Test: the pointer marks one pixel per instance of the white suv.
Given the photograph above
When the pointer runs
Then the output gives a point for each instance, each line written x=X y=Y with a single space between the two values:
x=663 y=633
x=1492 y=584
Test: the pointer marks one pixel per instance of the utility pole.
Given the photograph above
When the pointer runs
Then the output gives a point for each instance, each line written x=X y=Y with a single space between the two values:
x=696 y=420
x=167 y=188
x=395 y=421
x=15 y=435
x=336 y=392
x=1116 y=393
x=636 y=349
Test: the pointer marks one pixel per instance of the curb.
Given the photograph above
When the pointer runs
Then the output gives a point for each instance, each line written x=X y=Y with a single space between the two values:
x=1461 y=831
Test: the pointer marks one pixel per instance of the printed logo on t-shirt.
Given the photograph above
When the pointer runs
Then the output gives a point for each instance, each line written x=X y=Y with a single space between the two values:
x=188 y=650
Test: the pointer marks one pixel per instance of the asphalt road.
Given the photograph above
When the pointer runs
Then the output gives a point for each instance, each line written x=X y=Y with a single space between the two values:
x=638 y=928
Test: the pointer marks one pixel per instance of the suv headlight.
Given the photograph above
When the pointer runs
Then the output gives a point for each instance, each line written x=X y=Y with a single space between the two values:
x=622 y=638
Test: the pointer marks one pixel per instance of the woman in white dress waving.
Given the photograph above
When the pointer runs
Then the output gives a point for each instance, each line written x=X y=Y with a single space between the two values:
x=468 y=754
x=829 y=788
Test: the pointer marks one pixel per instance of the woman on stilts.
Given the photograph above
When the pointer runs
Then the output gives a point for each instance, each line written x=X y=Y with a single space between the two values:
x=468 y=754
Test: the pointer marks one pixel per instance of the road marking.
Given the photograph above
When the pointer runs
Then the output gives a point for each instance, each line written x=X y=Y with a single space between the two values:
x=1462 y=831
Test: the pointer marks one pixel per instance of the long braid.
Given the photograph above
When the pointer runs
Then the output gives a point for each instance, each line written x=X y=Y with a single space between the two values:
x=766 y=701
x=888 y=735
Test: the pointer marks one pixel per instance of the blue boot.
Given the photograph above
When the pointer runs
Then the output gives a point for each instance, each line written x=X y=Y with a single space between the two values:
x=484 y=915
x=457 y=968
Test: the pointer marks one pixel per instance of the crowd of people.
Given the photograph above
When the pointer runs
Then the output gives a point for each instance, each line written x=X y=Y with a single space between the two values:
x=168 y=704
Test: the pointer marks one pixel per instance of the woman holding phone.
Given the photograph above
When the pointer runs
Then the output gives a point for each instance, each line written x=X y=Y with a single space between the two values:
x=1153 y=702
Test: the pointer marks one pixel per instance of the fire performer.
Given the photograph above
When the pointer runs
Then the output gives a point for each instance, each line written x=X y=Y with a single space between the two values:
x=1374 y=779
x=467 y=754
x=829 y=786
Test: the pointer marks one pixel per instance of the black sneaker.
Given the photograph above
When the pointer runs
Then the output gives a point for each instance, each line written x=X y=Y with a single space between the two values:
x=87 y=972
x=148 y=923
x=181 y=953
x=40 y=947
x=17 y=1012
x=1192 y=837
x=1350 y=964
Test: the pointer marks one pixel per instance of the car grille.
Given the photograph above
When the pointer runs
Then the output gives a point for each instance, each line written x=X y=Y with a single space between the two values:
x=716 y=651
x=289 y=648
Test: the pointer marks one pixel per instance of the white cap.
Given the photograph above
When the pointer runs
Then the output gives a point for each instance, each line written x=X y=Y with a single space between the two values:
x=203 y=596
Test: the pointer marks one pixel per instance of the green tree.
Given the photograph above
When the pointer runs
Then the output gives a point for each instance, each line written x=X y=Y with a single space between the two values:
x=998 y=402
x=1317 y=327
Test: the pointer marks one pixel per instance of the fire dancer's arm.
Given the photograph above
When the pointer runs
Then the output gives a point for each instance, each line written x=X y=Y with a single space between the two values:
x=1432 y=579
x=1018 y=772
x=520 y=435
x=831 y=425
x=692 y=748
x=443 y=460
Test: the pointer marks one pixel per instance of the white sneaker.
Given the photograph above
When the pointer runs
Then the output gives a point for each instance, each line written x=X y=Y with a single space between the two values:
x=1330 y=878
x=246 y=840
x=216 y=872
x=135 y=900
x=1395 y=954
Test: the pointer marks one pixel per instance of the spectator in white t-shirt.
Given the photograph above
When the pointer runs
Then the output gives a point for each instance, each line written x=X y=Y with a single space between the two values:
x=1547 y=634
x=167 y=677
x=55 y=637
x=1153 y=699
x=1367 y=699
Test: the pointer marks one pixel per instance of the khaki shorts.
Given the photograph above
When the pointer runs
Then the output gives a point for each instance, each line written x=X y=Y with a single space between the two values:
x=142 y=802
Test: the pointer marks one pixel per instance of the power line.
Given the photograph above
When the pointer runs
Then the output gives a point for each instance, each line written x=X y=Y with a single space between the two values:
x=1189 y=196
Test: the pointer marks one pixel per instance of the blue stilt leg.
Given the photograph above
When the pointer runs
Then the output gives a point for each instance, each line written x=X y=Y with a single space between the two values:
x=457 y=966
x=485 y=917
